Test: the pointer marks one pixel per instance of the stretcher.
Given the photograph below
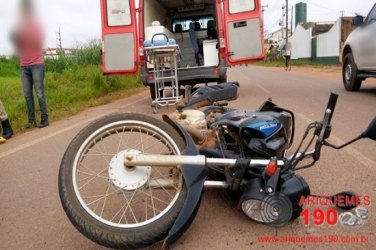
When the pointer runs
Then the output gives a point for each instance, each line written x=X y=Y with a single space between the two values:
x=163 y=55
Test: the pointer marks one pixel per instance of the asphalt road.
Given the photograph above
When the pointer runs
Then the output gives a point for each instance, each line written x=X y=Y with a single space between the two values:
x=31 y=216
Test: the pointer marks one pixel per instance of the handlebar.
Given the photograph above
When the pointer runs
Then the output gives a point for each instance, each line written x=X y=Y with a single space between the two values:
x=160 y=34
x=332 y=105
x=325 y=124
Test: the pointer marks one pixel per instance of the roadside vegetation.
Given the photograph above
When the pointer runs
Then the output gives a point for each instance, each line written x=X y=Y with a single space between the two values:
x=280 y=62
x=72 y=83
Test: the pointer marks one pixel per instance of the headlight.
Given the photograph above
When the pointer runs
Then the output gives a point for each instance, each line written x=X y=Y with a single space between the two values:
x=275 y=209
x=252 y=208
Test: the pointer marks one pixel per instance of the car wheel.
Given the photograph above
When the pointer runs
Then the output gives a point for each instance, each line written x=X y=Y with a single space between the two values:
x=349 y=74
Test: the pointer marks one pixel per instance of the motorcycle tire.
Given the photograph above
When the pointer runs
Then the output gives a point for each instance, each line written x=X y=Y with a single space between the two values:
x=117 y=206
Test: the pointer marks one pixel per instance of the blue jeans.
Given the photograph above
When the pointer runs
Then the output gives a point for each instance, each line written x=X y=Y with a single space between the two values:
x=33 y=76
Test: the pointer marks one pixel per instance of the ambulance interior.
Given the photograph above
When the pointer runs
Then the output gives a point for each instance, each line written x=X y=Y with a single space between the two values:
x=193 y=25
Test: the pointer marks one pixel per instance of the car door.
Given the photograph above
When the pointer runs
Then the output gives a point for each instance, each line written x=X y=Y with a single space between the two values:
x=119 y=37
x=367 y=42
x=243 y=31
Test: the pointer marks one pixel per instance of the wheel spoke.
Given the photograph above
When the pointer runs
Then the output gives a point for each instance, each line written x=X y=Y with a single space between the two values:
x=101 y=197
x=156 y=180
x=152 y=200
x=155 y=198
x=105 y=199
x=141 y=142
x=129 y=206
x=121 y=139
x=113 y=193
x=94 y=176
x=89 y=174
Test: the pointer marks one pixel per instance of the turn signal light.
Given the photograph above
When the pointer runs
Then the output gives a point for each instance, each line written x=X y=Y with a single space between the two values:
x=271 y=168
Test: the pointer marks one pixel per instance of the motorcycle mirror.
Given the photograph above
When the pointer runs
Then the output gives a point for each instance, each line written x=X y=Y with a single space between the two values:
x=371 y=130
x=357 y=20
x=345 y=200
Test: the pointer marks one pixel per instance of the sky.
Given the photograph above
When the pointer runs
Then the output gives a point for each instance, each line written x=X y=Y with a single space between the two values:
x=79 y=20
x=317 y=10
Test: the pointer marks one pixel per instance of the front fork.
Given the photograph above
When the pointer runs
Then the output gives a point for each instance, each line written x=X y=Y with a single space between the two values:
x=193 y=160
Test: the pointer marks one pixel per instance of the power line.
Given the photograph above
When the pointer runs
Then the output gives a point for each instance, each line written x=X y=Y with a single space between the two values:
x=329 y=9
x=275 y=24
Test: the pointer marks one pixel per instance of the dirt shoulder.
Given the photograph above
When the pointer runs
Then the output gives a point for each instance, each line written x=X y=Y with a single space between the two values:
x=324 y=71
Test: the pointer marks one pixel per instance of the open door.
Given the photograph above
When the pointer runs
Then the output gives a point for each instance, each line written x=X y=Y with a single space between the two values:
x=243 y=31
x=119 y=37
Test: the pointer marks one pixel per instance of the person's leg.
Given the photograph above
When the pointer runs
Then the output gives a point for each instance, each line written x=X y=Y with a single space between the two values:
x=38 y=79
x=7 y=128
x=285 y=61
x=27 y=86
x=3 y=114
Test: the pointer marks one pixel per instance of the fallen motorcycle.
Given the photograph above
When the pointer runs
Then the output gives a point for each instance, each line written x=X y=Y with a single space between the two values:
x=130 y=180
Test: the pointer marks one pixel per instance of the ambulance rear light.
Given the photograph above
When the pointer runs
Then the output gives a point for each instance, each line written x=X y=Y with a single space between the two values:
x=222 y=43
x=141 y=51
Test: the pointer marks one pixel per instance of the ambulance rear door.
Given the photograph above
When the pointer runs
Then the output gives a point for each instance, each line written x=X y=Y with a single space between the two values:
x=119 y=37
x=243 y=31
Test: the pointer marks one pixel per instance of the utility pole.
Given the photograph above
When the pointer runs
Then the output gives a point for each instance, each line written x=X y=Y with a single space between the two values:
x=59 y=39
x=287 y=22
x=292 y=15
x=263 y=21
x=262 y=11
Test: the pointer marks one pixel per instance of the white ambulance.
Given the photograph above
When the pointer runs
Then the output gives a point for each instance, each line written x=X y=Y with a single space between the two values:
x=211 y=35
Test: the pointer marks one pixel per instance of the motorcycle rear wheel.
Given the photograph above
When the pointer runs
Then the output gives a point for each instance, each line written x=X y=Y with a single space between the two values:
x=114 y=205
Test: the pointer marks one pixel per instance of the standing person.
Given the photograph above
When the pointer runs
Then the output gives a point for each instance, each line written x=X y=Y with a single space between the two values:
x=7 y=129
x=28 y=38
x=271 y=51
x=287 y=56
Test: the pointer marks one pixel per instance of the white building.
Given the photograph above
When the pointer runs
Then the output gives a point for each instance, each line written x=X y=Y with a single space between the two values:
x=320 y=42
x=277 y=36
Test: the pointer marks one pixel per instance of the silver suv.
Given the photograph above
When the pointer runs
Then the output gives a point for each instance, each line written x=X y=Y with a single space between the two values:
x=359 y=53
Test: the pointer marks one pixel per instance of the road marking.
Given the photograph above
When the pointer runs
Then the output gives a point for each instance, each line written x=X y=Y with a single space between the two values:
x=256 y=84
x=48 y=136
x=263 y=89
x=349 y=149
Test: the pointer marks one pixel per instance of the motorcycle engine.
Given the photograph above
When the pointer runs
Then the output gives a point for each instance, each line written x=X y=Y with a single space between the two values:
x=193 y=118
x=265 y=134
x=195 y=123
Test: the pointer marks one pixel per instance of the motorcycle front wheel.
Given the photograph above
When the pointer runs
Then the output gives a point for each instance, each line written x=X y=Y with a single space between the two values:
x=119 y=206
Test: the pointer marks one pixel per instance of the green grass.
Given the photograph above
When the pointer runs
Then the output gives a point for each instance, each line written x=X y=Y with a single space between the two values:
x=298 y=63
x=9 y=67
x=72 y=83
x=67 y=93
